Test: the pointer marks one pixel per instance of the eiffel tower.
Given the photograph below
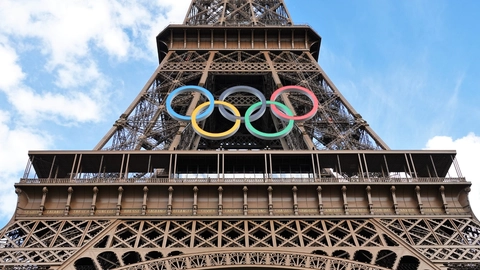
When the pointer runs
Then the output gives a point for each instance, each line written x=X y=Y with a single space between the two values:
x=203 y=172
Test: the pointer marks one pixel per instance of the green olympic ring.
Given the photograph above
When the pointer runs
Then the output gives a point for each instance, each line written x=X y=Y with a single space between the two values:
x=264 y=135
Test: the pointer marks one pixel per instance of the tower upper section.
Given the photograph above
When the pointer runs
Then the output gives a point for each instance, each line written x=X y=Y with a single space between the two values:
x=232 y=43
x=237 y=12
x=238 y=25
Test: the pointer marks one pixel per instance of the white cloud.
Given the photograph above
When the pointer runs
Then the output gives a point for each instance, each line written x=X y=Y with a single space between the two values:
x=51 y=59
x=75 y=75
x=69 y=29
x=468 y=156
x=63 y=109
x=37 y=105
x=67 y=36
x=15 y=144
x=10 y=72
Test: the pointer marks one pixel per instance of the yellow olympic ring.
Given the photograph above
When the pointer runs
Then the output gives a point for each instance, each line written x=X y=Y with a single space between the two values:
x=221 y=135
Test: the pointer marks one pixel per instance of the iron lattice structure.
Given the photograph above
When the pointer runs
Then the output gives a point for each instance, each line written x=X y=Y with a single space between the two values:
x=235 y=13
x=154 y=194
x=228 y=43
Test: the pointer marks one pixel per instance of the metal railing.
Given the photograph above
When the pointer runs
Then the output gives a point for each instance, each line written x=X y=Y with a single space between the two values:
x=241 y=180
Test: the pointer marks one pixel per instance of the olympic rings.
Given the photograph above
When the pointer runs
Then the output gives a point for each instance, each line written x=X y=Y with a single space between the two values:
x=230 y=112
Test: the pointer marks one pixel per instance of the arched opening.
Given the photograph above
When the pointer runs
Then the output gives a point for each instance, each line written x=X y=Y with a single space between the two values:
x=408 y=263
x=152 y=255
x=131 y=257
x=341 y=254
x=108 y=260
x=386 y=258
x=319 y=252
x=175 y=253
x=84 y=264
x=362 y=256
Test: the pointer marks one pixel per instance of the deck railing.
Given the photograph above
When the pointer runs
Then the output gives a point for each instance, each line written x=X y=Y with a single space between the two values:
x=240 y=180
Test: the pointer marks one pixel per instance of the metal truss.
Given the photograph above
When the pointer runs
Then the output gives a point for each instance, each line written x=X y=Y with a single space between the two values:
x=185 y=244
x=46 y=242
x=447 y=240
x=147 y=126
x=237 y=12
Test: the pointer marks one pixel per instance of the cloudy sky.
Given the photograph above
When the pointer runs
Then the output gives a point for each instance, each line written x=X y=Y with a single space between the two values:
x=68 y=69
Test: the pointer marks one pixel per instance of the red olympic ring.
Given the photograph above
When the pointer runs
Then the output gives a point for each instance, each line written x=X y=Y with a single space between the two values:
x=294 y=88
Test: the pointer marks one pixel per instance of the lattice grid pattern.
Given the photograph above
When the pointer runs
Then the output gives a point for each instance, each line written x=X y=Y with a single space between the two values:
x=47 y=241
x=246 y=233
x=148 y=126
x=439 y=239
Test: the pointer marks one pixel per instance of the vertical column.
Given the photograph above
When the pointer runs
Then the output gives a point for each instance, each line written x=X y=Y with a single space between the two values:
x=270 y=200
x=44 y=197
x=320 y=202
x=369 y=196
x=119 y=201
x=245 y=202
x=144 y=204
x=419 y=199
x=195 y=201
x=94 y=201
x=444 y=200
x=295 y=202
x=394 y=198
x=169 y=205
x=345 y=201
x=220 y=201
x=69 y=199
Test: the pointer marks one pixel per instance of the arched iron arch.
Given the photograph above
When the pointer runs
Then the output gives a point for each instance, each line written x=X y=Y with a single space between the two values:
x=242 y=259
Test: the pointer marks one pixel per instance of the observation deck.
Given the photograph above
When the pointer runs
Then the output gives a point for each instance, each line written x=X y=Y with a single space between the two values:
x=232 y=183
x=81 y=167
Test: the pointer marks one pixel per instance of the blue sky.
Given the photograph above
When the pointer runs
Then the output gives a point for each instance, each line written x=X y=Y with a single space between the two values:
x=69 y=69
x=409 y=67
